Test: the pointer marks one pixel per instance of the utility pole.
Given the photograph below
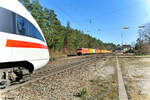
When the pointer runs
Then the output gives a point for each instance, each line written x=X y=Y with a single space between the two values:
x=125 y=28
x=121 y=39
x=140 y=35
x=99 y=31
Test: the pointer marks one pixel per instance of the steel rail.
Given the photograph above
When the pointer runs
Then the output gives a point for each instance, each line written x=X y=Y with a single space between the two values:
x=88 y=61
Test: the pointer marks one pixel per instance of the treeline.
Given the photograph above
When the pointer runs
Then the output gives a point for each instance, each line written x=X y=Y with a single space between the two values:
x=142 y=45
x=59 y=37
x=110 y=46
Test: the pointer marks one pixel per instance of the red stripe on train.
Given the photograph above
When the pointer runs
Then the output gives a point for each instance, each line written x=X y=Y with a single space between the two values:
x=24 y=44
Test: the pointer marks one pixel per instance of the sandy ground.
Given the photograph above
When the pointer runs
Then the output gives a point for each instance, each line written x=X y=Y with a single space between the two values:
x=136 y=74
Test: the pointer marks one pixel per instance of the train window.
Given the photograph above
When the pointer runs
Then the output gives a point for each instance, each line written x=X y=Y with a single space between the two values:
x=6 y=21
x=32 y=31
x=22 y=26
x=35 y=33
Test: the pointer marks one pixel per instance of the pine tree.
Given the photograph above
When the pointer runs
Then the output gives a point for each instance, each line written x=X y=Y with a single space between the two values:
x=59 y=37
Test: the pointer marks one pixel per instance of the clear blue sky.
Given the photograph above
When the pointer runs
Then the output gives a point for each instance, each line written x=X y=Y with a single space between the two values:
x=103 y=19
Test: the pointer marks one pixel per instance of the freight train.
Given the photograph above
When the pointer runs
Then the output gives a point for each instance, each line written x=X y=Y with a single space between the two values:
x=83 y=51
x=22 y=45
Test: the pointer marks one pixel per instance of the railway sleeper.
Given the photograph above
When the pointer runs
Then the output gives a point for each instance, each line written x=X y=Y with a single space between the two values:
x=12 y=76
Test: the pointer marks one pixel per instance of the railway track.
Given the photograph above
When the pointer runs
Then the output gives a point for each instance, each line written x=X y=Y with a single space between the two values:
x=50 y=71
x=58 y=77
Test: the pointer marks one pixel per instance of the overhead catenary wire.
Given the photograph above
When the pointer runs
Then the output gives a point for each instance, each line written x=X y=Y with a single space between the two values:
x=90 y=20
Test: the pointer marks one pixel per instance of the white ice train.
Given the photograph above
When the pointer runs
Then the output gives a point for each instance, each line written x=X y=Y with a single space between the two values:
x=22 y=45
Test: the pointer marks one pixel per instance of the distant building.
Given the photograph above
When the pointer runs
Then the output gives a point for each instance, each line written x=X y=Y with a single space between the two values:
x=118 y=51
x=126 y=48
x=123 y=49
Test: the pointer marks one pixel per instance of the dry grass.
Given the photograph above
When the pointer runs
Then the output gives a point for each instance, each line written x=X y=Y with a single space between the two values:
x=132 y=73
x=104 y=88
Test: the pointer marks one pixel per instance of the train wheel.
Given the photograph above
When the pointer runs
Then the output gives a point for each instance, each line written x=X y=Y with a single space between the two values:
x=22 y=74
x=13 y=76
x=26 y=75
x=4 y=81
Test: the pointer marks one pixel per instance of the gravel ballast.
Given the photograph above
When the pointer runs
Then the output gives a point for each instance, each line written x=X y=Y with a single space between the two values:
x=82 y=83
